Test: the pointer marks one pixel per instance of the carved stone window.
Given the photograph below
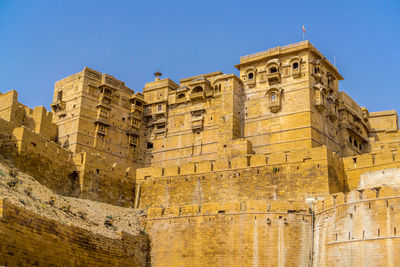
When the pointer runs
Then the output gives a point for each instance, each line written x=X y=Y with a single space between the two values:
x=319 y=97
x=250 y=74
x=295 y=64
x=274 y=99
x=273 y=72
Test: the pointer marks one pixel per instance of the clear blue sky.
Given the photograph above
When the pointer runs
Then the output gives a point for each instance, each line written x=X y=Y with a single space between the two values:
x=44 y=41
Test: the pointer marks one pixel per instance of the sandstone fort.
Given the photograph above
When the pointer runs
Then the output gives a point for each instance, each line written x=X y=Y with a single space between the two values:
x=274 y=167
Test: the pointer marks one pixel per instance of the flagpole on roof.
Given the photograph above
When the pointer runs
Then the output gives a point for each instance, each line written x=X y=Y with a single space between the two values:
x=304 y=31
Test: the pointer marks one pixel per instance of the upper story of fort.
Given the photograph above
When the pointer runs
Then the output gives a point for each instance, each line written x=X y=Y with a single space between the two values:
x=284 y=99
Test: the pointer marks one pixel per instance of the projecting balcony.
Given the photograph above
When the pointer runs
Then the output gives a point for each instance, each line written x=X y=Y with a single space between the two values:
x=58 y=106
x=136 y=115
x=319 y=105
x=274 y=77
x=197 y=124
x=135 y=108
x=275 y=106
x=133 y=131
x=332 y=113
x=161 y=120
x=296 y=72
x=101 y=130
x=133 y=142
x=198 y=117
x=251 y=82
x=317 y=76
x=104 y=100
x=180 y=100
x=197 y=95
x=159 y=129
x=102 y=120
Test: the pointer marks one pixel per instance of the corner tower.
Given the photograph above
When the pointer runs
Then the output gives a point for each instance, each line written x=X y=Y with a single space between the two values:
x=291 y=99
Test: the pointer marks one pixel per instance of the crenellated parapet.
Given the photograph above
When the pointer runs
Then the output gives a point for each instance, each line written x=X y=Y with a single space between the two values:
x=230 y=208
x=355 y=197
x=300 y=157
x=293 y=175
x=351 y=229
x=355 y=166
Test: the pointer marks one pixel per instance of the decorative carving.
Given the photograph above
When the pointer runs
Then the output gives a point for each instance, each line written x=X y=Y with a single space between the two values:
x=274 y=99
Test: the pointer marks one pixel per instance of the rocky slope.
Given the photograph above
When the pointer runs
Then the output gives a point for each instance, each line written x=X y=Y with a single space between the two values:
x=24 y=191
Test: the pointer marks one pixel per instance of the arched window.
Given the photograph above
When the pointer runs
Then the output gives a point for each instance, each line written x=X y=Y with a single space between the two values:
x=181 y=96
x=273 y=70
x=250 y=76
x=197 y=89
x=273 y=97
x=295 y=66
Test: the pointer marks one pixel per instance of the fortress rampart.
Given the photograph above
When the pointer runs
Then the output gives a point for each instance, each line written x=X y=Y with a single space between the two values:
x=29 y=239
x=360 y=228
x=380 y=160
x=254 y=233
x=294 y=175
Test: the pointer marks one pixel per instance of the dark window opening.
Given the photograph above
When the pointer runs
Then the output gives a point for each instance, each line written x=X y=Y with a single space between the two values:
x=59 y=95
x=159 y=107
x=273 y=70
x=149 y=145
x=181 y=96
x=295 y=66
x=197 y=89
x=97 y=171
x=251 y=76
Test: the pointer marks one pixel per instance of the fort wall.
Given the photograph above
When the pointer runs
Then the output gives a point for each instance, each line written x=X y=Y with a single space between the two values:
x=103 y=181
x=294 y=175
x=355 y=166
x=29 y=239
x=254 y=233
x=358 y=229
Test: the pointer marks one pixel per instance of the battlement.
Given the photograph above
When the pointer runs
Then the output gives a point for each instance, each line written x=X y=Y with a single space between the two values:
x=355 y=197
x=355 y=166
x=28 y=141
x=241 y=162
x=229 y=208
x=96 y=163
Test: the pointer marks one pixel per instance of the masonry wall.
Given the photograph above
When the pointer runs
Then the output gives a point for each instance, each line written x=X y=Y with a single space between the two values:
x=358 y=229
x=101 y=181
x=46 y=161
x=230 y=234
x=354 y=167
x=29 y=239
x=306 y=173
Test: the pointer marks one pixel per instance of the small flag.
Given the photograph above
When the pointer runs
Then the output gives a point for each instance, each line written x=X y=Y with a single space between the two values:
x=304 y=29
